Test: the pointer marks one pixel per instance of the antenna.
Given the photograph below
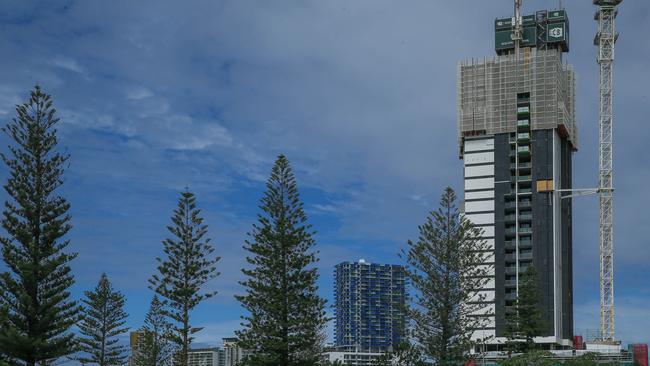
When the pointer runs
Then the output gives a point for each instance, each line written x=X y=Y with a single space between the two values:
x=517 y=26
x=518 y=4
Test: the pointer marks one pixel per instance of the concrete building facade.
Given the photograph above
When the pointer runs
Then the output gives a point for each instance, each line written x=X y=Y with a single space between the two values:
x=231 y=353
x=205 y=357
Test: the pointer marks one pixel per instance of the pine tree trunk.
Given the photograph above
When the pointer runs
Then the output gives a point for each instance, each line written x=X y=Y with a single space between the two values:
x=285 y=311
x=185 y=337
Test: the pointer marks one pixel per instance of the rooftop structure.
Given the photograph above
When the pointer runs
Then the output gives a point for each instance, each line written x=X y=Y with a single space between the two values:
x=542 y=30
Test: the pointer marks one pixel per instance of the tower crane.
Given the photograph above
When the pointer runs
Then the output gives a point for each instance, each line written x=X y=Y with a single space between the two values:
x=605 y=40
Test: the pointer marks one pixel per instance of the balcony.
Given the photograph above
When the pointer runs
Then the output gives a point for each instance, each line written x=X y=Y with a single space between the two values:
x=523 y=124
x=522 y=256
x=510 y=205
x=520 y=140
x=525 y=217
x=511 y=283
x=522 y=217
x=523 y=244
x=523 y=137
x=521 y=166
x=521 y=179
x=511 y=296
x=525 y=230
x=512 y=270
x=509 y=218
x=522 y=192
x=526 y=256
x=523 y=150
x=523 y=110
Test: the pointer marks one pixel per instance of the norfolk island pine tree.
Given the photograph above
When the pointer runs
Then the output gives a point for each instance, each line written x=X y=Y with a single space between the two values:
x=286 y=317
x=446 y=280
x=101 y=326
x=36 y=287
x=188 y=265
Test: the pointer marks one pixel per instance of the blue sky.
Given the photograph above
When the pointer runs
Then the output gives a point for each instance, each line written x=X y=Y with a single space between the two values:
x=360 y=95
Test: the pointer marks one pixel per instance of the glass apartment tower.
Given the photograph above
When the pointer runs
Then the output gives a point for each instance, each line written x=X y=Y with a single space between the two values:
x=517 y=133
x=370 y=300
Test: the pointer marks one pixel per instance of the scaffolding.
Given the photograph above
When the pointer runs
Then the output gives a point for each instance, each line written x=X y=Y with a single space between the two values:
x=488 y=88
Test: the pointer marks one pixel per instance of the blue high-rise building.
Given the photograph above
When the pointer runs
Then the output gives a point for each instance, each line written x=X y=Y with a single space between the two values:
x=370 y=300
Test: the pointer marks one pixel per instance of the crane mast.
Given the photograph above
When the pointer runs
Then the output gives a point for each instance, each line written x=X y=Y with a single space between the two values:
x=605 y=40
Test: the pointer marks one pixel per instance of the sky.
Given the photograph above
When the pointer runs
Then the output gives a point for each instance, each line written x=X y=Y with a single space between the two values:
x=156 y=96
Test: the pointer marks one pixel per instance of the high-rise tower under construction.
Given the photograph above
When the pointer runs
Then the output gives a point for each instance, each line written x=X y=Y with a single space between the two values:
x=517 y=133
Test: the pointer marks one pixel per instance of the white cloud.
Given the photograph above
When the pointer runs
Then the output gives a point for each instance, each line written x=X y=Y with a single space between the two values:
x=69 y=65
x=327 y=208
x=182 y=132
x=138 y=92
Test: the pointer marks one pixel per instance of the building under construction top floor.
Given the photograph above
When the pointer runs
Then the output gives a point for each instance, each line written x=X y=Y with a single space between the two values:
x=490 y=89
